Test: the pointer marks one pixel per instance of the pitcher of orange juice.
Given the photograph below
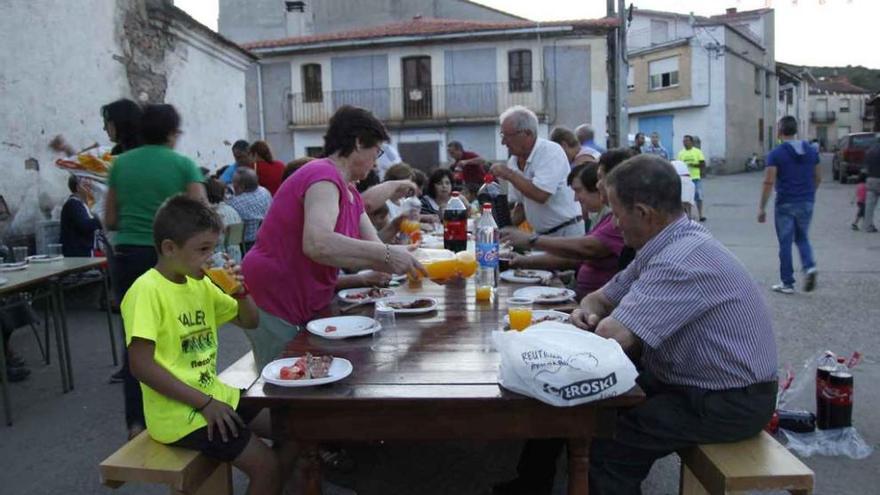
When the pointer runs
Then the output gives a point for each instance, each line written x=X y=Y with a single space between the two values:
x=216 y=270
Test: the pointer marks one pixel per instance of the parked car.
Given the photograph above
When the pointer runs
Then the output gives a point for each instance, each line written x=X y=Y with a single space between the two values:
x=850 y=153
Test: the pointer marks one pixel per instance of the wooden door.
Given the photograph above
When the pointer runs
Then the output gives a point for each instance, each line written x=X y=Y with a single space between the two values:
x=417 y=87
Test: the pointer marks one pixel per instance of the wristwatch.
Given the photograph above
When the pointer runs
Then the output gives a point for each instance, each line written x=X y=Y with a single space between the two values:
x=534 y=238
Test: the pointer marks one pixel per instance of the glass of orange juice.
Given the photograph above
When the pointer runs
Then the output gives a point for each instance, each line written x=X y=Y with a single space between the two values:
x=413 y=229
x=484 y=293
x=217 y=271
x=519 y=312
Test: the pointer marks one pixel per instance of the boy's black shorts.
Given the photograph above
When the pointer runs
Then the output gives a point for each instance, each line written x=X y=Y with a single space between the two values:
x=217 y=449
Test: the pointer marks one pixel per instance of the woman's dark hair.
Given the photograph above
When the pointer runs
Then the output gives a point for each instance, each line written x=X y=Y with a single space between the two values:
x=649 y=180
x=216 y=190
x=262 y=150
x=159 y=122
x=72 y=182
x=613 y=158
x=586 y=173
x=350 y=124
x=435 y=178
x=420 y=178
x=126 y=117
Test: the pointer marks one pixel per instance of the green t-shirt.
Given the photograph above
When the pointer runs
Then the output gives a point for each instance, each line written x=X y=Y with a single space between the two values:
x=143 y=179
x=692 y=159
x=182 y=320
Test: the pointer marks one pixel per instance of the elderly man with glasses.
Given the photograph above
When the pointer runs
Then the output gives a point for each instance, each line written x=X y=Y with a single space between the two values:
x=536 y=173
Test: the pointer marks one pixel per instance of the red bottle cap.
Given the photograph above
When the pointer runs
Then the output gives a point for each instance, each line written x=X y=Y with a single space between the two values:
x=488 y=178
x=487 y=206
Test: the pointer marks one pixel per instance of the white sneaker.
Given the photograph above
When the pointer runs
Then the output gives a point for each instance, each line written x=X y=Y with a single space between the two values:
x=782 y=289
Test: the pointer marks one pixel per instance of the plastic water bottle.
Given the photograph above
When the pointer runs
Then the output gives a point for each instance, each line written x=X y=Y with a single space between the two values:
x=455 y=224
x=491 y=192
x=487 y=254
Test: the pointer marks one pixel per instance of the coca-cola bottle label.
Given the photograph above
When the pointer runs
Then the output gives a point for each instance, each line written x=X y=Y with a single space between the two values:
x=455 y=230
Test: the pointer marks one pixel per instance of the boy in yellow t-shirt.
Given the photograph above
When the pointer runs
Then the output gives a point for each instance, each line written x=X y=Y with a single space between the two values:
x=696 y=162
x=171 y=316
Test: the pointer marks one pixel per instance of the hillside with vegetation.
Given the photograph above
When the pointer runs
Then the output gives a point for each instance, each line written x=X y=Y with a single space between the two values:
x=858 y=75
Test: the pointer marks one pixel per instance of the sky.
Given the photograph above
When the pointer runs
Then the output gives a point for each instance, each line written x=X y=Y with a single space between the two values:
x=808 y=32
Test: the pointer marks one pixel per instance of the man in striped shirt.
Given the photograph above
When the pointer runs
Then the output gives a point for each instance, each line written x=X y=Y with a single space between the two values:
x=690 y=312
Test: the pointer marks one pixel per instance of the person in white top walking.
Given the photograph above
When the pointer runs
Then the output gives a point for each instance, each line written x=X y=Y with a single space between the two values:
x=536 y=173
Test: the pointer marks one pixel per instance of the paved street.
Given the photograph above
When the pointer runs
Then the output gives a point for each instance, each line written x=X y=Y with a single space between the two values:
x=57 y=440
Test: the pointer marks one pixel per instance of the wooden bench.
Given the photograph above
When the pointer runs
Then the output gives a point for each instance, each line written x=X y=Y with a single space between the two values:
x=760 y=463
x=184 y=471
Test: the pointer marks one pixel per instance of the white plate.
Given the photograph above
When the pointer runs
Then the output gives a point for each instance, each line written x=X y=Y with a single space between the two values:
x=558 y=294
x=12 y=267
x=3 y=281
x=44 y=258
x=542 y=313
x=346 y=326
x=394 y=277
x=536 y=276
x=406 y=299
x=339 y=369
x=346 y=295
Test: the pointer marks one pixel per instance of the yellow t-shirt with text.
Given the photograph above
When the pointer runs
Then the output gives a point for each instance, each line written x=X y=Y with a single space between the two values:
x=182 y=320
x=692 y=158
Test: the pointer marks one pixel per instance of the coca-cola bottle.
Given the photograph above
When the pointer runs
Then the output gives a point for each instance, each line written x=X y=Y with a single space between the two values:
x=491 y=193
x=840 y=388
x=455 y=224
x=823 y=372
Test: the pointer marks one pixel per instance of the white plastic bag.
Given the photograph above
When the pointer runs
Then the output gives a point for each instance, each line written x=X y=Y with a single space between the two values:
x=562 y=365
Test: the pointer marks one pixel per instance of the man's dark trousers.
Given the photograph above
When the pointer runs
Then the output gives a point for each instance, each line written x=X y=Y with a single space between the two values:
x=672 y=418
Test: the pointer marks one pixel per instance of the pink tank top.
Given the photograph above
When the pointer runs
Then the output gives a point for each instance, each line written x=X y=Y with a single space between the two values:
x=282 y=280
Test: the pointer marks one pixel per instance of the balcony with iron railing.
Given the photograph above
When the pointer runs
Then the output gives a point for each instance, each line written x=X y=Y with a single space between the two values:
x=823 y=116
x=436 y=103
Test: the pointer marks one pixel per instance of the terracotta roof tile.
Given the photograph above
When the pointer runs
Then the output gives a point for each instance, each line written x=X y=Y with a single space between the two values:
x=837 y=85
x=426 y=26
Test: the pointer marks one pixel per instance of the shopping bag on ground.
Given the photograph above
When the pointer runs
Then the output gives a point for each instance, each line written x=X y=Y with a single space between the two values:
x=562 y=365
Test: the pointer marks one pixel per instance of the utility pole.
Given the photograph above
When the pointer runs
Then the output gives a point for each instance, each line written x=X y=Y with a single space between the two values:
x=617 y=120
x=611 y=120
x=622 y=69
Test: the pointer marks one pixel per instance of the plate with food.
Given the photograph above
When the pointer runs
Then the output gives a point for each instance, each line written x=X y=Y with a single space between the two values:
x=542 y=315
x=520 y=276
x=343 y=327
x=306 y=371
x=13 y=267
x=409 y=304
x=364 y=294
x=44 y=258
x=545 y=295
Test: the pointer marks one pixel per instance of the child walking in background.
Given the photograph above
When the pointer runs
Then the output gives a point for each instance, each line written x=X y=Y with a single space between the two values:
x=861 y=194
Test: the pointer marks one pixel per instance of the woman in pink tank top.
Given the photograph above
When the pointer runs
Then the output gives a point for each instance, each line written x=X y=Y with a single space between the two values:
x=315 y=226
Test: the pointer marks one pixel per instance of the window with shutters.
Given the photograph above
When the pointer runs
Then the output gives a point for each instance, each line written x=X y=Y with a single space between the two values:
x=311 y=81
x=663 y=73
x=519 y=71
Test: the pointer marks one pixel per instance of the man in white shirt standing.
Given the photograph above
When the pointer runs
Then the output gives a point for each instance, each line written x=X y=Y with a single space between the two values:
x=387 y=159
x=536 y=173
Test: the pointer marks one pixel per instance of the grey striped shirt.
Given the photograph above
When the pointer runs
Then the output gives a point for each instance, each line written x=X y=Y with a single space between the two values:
x=699 y=314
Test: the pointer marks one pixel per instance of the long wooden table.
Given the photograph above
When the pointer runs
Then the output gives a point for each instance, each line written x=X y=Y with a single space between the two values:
x=442 y=383
x=47 y=280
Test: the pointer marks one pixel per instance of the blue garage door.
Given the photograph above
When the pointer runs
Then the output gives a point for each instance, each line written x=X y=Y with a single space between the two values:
x=662 y=125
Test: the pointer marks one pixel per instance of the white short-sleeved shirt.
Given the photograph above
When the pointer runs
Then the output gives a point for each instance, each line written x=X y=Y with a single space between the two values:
x=548 y=168
x=687 y=185
x=389 y=158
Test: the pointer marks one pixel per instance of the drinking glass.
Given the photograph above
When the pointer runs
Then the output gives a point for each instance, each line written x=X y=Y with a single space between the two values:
x=19 y=254
x=384 y=340
x=54 y=250
x=216 y=270
x=519 y=311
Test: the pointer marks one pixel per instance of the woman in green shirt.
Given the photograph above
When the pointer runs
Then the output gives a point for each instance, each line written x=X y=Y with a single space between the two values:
x=140 y=181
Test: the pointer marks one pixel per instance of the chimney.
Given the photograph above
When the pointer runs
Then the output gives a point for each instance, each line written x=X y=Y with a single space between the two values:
x=731 y=10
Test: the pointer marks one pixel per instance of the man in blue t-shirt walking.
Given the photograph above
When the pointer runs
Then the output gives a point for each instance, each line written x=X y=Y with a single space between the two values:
x=793 y=167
